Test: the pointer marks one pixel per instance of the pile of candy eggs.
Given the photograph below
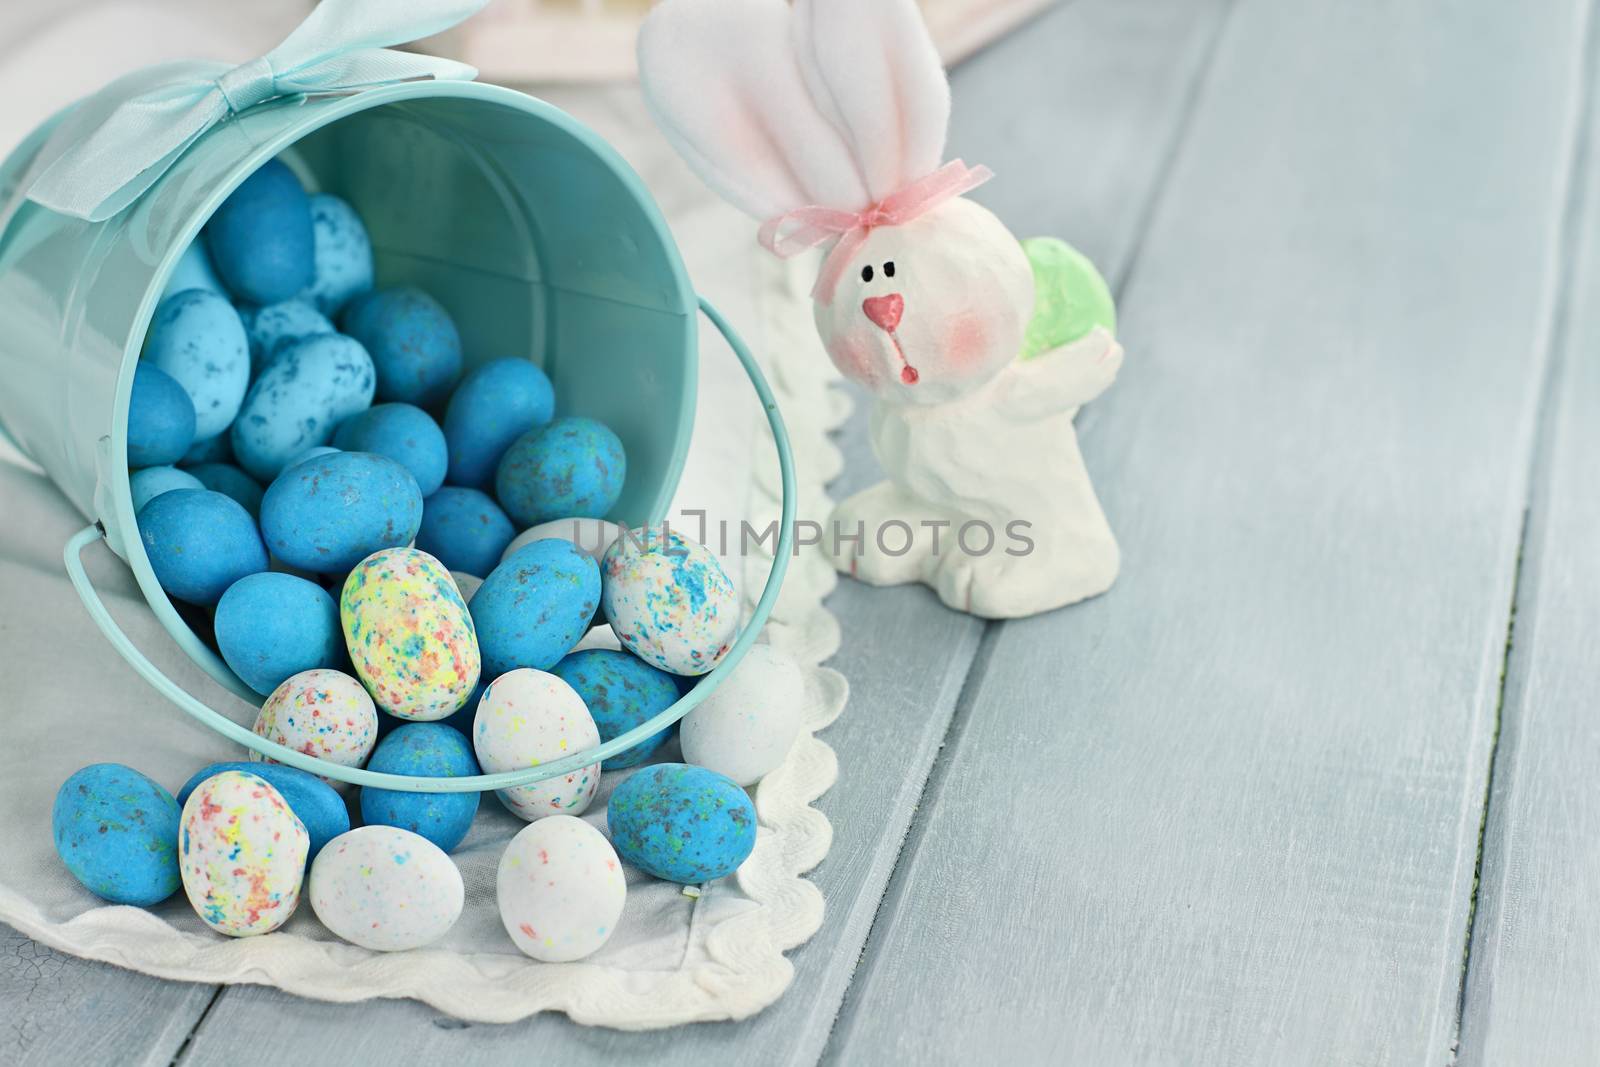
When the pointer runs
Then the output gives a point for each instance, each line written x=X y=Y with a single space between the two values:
x=316 y=475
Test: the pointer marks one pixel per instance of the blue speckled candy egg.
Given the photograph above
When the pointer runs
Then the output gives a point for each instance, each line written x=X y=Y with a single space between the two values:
x=423 y=750
x=218 y=449
x=668 y=600
x=681 y=823
x=271 y=625
x=260 y=239
x=313 y=385
x=565 y=469
x=409 y=635
x=386 y=889
x=229 y=480
x=328 y=513
x=403 y=432
x=312 y=453
x=560 y=889
x=199 y=543
x=242 y=854
x=464 y=529
x=197 y=339
x=314 y=802
x=620 y=691
x=533 y=608
x=147 y=484
x=413 y=341
x=526 y=718
x=160 y=418
x=117 y=832
x=494 y=405
x=277 y=326
x=194 y=271
x=592 y=536
x=343 y=255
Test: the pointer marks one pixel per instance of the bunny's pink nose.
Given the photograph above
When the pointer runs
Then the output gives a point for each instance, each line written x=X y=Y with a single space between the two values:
x=885 y=311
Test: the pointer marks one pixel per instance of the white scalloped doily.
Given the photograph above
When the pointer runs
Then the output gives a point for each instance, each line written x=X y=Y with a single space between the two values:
x=67 y=700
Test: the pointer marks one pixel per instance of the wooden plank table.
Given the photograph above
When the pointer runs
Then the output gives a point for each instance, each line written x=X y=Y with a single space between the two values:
x=1231 y=812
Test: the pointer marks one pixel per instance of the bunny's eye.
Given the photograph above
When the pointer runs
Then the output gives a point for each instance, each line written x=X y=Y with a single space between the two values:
x=888 y=269
x=866 y=273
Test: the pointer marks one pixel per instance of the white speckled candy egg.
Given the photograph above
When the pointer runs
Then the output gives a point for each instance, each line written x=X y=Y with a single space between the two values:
x=466 y=584
x=241 y=854
x=409 y=634
x=385 y=889
x=525 y=718
x=322 y=713
x=747 y=725
x=560 y=888
x=668 y=600
x=592 y=536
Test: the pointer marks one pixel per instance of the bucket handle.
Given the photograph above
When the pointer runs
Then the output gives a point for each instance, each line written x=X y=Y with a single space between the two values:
x=73 y=556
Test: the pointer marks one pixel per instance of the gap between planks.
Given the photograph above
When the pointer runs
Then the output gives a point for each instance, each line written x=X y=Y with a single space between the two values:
x=1575 y=210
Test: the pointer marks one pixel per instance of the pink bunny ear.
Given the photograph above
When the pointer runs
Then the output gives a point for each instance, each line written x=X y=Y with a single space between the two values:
x=722 y=80
x=872 y=69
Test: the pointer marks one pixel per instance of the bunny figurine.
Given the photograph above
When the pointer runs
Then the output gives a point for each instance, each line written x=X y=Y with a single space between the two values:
x=827 y=120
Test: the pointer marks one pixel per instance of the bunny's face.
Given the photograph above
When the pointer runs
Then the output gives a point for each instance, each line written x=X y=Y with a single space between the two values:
x=928 y=311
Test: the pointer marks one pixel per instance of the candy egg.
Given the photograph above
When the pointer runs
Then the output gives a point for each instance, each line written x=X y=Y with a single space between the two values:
x=526 y=718
x=321 y=713
x=747 y=725
x=535 y=606
x=684 y=824
x=313 y=385
x=117 y=832
x=423 y=750
x=567 y=468
x=275 y=327
x=160 y=418
x=194 y=271
x=466 y=584
x=406 y=434
x=328 y=513
x=560 y=889
x=668 y=600
x=196 y=338
x=413 y=342
x=592 y=536
x=620 y=691
x=495 y=404
x=314 y=802
x=342 y=254
x=199 y=543
x=147 y=484
x=386 y=889
x=242 y=853
x=409 y=634
x=464 y=528
x=230 y=481
x=260 y=239
x=270 y=626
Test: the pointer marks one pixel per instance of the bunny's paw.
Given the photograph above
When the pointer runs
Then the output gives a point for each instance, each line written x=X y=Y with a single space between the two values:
x=1070 y=298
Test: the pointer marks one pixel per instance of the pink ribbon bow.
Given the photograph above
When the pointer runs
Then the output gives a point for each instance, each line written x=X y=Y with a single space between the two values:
x=806 y=227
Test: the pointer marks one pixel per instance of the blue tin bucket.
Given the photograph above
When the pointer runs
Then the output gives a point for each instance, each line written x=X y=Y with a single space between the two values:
x=523 y=222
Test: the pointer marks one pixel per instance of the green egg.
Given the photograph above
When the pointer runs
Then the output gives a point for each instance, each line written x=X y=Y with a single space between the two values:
x=1070 y=297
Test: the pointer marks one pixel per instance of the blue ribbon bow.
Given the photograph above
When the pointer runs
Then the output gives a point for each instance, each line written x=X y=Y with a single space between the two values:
x=114 y=145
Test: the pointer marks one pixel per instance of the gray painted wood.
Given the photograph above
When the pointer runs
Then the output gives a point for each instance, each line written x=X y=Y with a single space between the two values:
x=58 y=1009
x=1111 y=79
x=1533 y=978
x=1229 y=812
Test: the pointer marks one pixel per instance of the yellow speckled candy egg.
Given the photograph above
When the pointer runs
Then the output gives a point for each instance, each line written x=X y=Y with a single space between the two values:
x=525 y=718
x=322 y=713
x=241 y=854
x=409 y=634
